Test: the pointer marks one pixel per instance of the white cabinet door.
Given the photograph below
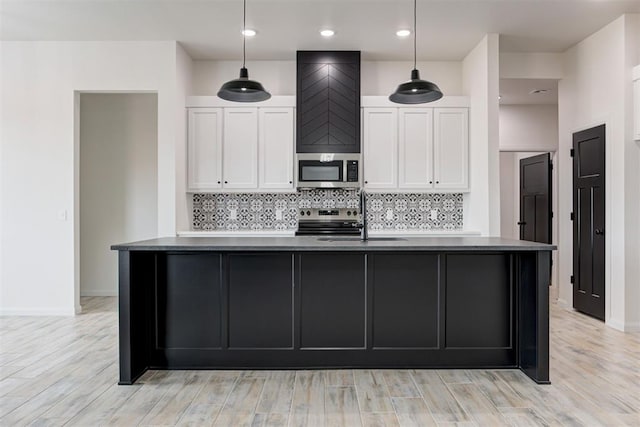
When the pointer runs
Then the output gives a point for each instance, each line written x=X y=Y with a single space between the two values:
x=240 y=148
x=451 y=148
x=204 y=148
x=276 y=148
x=380 y=137
x=415 y=166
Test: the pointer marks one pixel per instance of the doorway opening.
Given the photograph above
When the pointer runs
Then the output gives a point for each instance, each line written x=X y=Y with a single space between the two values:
x=116 y=183
x=529 y=130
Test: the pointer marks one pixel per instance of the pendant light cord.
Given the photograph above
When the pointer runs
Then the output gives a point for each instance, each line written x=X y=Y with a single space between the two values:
x=415 y=8
x=244 y=29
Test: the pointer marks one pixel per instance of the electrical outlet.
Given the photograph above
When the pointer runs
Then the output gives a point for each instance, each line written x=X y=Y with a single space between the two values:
x=434 y=214
x=279 y=214
x=389 y=214
x=233 y=214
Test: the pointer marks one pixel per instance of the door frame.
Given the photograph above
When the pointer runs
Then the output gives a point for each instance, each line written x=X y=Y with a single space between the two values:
x=75 y=215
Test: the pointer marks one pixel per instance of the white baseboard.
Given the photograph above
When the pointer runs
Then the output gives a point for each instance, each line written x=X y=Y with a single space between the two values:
x=98 y=293
x=615 y=324
x=632 y=327
x=623 y=326
x=46 y=311
x=563 y=303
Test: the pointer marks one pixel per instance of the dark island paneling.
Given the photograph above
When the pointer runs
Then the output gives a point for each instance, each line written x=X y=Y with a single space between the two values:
x=332 y=300
x=479 y=301
x=260 y=300
x=405 y=293
x=427 y=309
x=135 y=309
x=189 y=302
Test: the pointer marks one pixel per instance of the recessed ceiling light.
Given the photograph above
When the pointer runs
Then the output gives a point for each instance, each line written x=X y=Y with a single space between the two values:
x=327 y=33
x=249 y=33
x=403 y=33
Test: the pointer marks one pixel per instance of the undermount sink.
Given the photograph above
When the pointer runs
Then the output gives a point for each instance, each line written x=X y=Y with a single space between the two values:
x=357 y=239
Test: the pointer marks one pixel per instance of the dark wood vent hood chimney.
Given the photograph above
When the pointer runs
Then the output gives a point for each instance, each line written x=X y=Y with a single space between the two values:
x=328 y=102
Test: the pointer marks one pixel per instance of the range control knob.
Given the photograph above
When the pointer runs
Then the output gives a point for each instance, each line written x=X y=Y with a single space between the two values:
x=301 y=213
x=355 y=212
x=308 y=213
x=349 y=213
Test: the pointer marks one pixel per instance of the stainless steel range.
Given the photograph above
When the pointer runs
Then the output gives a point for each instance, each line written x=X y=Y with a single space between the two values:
x=342 y=221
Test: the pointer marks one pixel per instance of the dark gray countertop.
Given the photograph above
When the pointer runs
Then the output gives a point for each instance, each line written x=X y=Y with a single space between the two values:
x=226 y=244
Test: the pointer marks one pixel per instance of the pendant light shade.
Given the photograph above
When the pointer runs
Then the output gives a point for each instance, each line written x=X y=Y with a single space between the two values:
x=242 y=89
x=415 y=91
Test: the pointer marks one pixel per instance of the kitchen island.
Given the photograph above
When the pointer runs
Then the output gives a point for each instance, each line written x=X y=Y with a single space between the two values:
x=314 y=302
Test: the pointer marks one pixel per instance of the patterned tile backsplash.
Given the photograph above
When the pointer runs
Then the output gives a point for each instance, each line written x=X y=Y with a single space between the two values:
x=246 y=211
x=279 y=211
x=415 y=211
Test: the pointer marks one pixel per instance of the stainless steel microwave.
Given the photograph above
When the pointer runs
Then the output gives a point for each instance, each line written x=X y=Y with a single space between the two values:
x=328 y=170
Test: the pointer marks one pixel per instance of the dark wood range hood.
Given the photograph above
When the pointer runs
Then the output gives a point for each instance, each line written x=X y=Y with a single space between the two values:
x=328 y=102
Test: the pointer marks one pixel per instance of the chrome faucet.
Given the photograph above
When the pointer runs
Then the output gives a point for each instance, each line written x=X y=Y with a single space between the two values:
x=364 y=233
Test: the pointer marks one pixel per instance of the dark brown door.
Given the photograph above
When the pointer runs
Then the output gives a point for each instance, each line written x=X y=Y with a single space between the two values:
x=535 y=198
x=588 y=224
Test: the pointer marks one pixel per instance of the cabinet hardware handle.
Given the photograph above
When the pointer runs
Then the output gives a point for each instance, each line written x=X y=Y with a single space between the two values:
x=430 y=182
x=218 y=182
x=226 y=182
x=599 y=232
x=366 y=182
x=521 y=222
x=437 y=182
x=290 y=182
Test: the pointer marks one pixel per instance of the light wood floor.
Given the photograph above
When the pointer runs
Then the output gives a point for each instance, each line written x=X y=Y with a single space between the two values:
x=63 y=371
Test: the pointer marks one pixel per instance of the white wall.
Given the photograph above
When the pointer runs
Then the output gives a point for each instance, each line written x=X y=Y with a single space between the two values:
x=632 y=178
x=118 y=182
x=184 y=87
x=480 y=82
x=596 y=89
x=531 y=65
x=279 y=77
x=528 y=127
x=39 y=157
x=508 y=192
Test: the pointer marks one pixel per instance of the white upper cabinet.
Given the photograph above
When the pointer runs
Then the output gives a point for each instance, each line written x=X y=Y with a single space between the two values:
x=451 y=148
x=416 y=148
x=380 y=145
x=415 y=166
x=204 y=148
x=240 y=148
x=276 y=129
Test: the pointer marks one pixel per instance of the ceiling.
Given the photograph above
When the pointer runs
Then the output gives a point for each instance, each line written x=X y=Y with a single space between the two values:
x=210 y=29
x=519 y=91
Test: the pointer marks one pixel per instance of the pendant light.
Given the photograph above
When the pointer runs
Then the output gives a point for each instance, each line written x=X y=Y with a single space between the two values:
x=242 y=89
x=415 y=91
